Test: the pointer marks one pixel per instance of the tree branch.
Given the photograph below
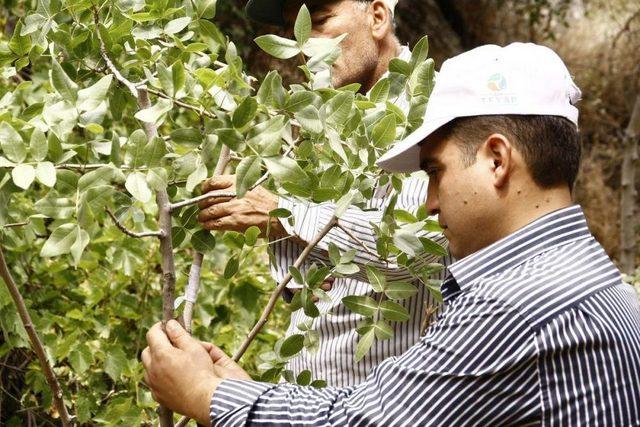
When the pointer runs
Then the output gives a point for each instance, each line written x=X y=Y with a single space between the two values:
x=141 y=94
x=278 y=291
x=130 y=233
x=358 y=241
x=36 y=344
x=15 y=225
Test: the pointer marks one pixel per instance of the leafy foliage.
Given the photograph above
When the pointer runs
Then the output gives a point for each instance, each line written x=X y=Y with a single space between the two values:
x=74 y=147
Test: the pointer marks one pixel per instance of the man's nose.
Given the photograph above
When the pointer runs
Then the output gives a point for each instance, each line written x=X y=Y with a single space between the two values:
x=432 y=204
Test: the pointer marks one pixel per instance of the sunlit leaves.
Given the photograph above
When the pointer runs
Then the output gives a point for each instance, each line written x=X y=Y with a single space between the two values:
x=23 y=175
x=11 y=143
x=62 y=83
x=137 y=186
x=247 y=174
x=154 y=113
x=302 y=27
x=176 y=25
x=278 y=46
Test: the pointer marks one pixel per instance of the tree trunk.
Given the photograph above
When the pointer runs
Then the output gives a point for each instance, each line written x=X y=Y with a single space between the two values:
x=628 y=197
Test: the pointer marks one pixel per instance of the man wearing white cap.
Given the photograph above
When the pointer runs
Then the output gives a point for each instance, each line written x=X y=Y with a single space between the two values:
x=366 y=53
x=539 y=328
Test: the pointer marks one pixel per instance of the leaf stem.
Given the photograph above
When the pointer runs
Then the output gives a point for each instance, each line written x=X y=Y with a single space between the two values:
x=130 y=233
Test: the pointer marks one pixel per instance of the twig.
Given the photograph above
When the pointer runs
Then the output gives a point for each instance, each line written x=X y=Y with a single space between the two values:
x=193 y=285
x=112 y=68
x=130 y=233
x=17 y=224
x=216 y=194
x=357 y=240
x=199 y=110
x=94 y=166
x=37 y=345
x=278 y=291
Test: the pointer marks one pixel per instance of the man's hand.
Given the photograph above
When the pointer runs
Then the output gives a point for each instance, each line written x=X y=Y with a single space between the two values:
x=183 y=373
x=231 y=214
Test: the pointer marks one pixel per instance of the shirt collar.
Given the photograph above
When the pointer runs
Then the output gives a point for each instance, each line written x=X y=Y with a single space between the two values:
x=554 y=229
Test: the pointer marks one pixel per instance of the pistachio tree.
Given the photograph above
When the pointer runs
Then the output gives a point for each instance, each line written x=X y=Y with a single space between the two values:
x=112 y=113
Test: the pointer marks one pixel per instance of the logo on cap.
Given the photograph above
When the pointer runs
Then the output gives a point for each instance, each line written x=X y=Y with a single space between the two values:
x=497 y=83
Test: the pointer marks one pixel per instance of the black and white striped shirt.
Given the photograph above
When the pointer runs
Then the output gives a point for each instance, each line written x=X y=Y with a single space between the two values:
x=538 y=329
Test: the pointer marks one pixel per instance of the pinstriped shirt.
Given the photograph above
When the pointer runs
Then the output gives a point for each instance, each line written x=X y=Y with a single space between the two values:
x=333 y=360
x=538 y=329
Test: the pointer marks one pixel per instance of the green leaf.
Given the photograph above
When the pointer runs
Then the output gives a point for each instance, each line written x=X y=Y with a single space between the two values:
x=12 y=144
x=251 y=236
x=400 y=290
x=334 y=254
x=247 y=174
x=245 y=112
x=81 y=358
x=196 y=177
x=176 y=25
x=78 y=247
x=206 y=8
x=154 y=114
x=91 y=97
x=383 y=330
x=277 y=46
x=55 y=207
x=363 y=305
x=154 y=151
x=420 y=51
x=231 y=268
x=94 y=178
x=302 y=27
x=19 y=43
x=297 y=276
x=339 y=108
x=62 y=83
x=399 y=66
x=203 y=241
x=280 y=213
x=391 y=310
x=384 y=133
x=60 y=241
x=364 y=345
x=23 y=176
x=137 y=186
x=300 y=100
x=304 y=378
x=407 y=242
x=285 y=169
x=309 y=119
x=376 y=279
x=430 y=246
x=46 y=174
x=115 y=363
x=178 y=76
x=292 y=345
x=380 y=92
x=422 y=79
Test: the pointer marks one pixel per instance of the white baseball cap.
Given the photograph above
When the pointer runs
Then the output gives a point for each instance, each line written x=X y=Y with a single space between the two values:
x=521 y=78
x=270 y=11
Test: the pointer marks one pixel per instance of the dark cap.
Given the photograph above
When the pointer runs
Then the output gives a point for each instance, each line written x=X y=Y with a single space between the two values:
x=266 y=11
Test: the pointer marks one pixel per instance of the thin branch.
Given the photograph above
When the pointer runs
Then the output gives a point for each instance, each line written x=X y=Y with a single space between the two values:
x=36 y=344
x=275 y=295
x=193 y=285
x=216 y=194
x=94 y=166
x=130 y=233
x=199 y=110
x=141 y=94
x=112 y=68
x=357 y=240
x=17 y=224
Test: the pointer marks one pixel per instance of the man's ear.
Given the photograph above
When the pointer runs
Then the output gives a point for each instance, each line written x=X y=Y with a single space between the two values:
x=499 y=154
x=381 y=20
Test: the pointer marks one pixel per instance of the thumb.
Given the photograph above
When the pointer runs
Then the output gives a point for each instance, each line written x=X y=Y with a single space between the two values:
x=178 y=336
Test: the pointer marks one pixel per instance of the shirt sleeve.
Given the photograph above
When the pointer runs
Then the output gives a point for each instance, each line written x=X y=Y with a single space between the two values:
x=311 y=218
x=478 y=362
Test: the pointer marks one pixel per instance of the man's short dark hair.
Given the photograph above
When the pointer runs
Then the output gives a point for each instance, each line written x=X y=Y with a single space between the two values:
x=550 y=145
